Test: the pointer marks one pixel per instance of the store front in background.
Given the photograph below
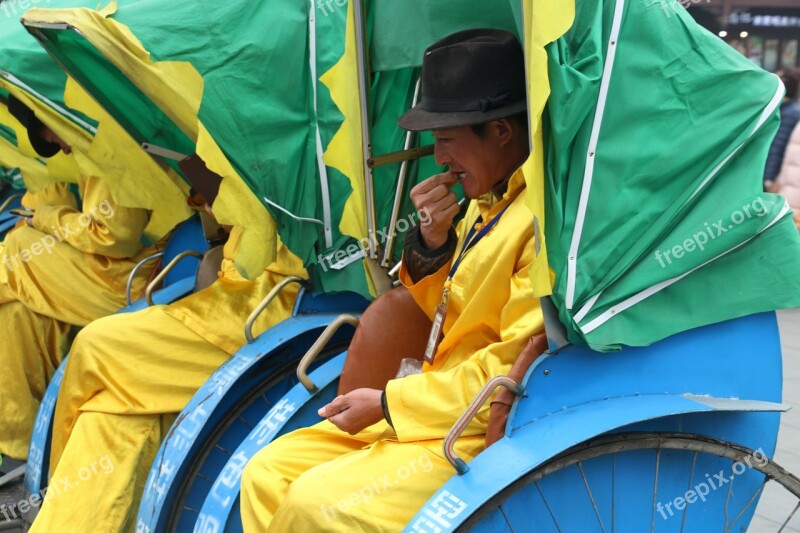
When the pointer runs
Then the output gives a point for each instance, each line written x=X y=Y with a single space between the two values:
x=768 y=36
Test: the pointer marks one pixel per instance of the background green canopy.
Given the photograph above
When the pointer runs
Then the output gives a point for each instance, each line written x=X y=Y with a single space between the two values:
x=264 y=105
x=28 y=72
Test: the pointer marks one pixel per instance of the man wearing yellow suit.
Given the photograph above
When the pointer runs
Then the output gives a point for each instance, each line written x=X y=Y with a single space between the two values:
x=128 y=377
x=65 y=267
x=378 y=457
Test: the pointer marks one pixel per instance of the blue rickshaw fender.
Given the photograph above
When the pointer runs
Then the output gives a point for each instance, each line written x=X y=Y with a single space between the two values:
x=534 y=443
x=170 y=462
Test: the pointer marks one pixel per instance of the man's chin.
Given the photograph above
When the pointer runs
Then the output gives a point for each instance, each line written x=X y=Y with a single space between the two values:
x=470 y=191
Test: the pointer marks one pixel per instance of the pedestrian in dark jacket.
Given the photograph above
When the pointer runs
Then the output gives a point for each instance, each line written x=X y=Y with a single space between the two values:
x=790 y=116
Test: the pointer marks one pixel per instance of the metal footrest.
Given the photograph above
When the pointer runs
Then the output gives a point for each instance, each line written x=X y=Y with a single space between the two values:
x=10 y=497
x=12 y=476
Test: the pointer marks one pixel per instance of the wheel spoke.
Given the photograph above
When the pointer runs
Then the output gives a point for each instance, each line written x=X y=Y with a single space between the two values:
x=691 y=479
x=655 y=491
x=246 y=423
x=783 y=526
x=508 y=522
x=591 y=497
x=614 y=494
x=727 y=501
x=549 y=510
x=752 y=499
x=224 y=450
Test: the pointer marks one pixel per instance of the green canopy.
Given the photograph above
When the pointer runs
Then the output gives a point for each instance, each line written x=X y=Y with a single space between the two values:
x=22 y=64
x=405 y=29
x=656 y=137
x=263 y=99
x=135 y=179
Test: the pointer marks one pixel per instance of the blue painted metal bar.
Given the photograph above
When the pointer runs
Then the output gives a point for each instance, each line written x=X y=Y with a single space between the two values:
x=220 y=511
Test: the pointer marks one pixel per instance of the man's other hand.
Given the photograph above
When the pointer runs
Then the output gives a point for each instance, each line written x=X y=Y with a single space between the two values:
x=355 y=411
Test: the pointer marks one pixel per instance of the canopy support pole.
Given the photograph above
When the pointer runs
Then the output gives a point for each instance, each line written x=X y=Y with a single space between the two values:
x=411 y=138
x=366 y=141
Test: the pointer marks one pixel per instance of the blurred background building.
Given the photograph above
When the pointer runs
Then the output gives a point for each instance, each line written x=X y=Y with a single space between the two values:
x=766 y=31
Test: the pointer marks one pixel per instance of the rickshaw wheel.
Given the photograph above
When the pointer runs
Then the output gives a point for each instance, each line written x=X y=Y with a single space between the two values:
x=667 y=451
x=183 y=515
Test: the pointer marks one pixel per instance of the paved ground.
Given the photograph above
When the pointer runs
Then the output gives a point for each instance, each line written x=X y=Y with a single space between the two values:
x=776 y=505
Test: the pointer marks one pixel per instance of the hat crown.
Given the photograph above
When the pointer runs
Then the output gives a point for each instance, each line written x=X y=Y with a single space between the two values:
x=33 y=125
x=473 y=70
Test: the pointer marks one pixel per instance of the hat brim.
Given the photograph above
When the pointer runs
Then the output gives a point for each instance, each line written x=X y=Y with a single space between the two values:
x=43 y=148
x=419 y=119
x=34 y=126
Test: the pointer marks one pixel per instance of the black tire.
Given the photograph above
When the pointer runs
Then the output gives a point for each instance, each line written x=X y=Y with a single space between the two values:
x=627 y=442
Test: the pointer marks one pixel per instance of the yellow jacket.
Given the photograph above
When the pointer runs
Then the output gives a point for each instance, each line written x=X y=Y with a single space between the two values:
x=56 y=193
x=73 y=265
x=219 y=312
x=491 y=314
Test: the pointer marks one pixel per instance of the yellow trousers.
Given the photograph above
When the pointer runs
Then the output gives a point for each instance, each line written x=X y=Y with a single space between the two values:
x=322 y=479
x=127 y=378
x=33 y=347
x=58 y=282
x=40 y=300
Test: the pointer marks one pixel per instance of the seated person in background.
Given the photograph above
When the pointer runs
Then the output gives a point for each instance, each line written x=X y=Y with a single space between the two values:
x=475 y=280
x=64 y=267
x=790 y=116
x=129 y=376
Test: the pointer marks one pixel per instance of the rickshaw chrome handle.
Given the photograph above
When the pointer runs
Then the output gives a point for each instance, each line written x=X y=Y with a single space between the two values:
x=8 y=201
x=135 y=271
x=148 y=294
x=462 y=423
x=317 y=347
x=276 y=290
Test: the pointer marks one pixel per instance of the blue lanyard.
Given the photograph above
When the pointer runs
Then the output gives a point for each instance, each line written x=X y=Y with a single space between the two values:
x=473 y=239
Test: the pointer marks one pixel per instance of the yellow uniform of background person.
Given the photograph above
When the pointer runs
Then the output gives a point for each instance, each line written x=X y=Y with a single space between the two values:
x=66 y=267
x=378 y=457
x=127 y=378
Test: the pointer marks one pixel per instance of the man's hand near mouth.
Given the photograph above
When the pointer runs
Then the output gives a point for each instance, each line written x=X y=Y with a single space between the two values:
x=434 y=194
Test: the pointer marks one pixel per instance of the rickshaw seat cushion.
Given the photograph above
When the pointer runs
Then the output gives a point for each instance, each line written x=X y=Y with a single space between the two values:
x=501 y=405
x=208 y=270
x=392 y=328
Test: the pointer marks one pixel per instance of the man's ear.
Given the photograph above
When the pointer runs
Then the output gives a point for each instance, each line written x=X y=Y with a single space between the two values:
x=503 y=130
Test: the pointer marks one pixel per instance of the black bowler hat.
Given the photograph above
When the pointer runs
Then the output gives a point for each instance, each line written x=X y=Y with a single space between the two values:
x=34 y=126
x=470 y=77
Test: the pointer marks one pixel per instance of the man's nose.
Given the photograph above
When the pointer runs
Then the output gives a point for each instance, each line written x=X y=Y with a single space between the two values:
x=440 y=155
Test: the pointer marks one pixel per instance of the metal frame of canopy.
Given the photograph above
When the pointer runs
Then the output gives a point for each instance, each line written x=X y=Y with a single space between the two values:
x=10 y=78
x=35 y=28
